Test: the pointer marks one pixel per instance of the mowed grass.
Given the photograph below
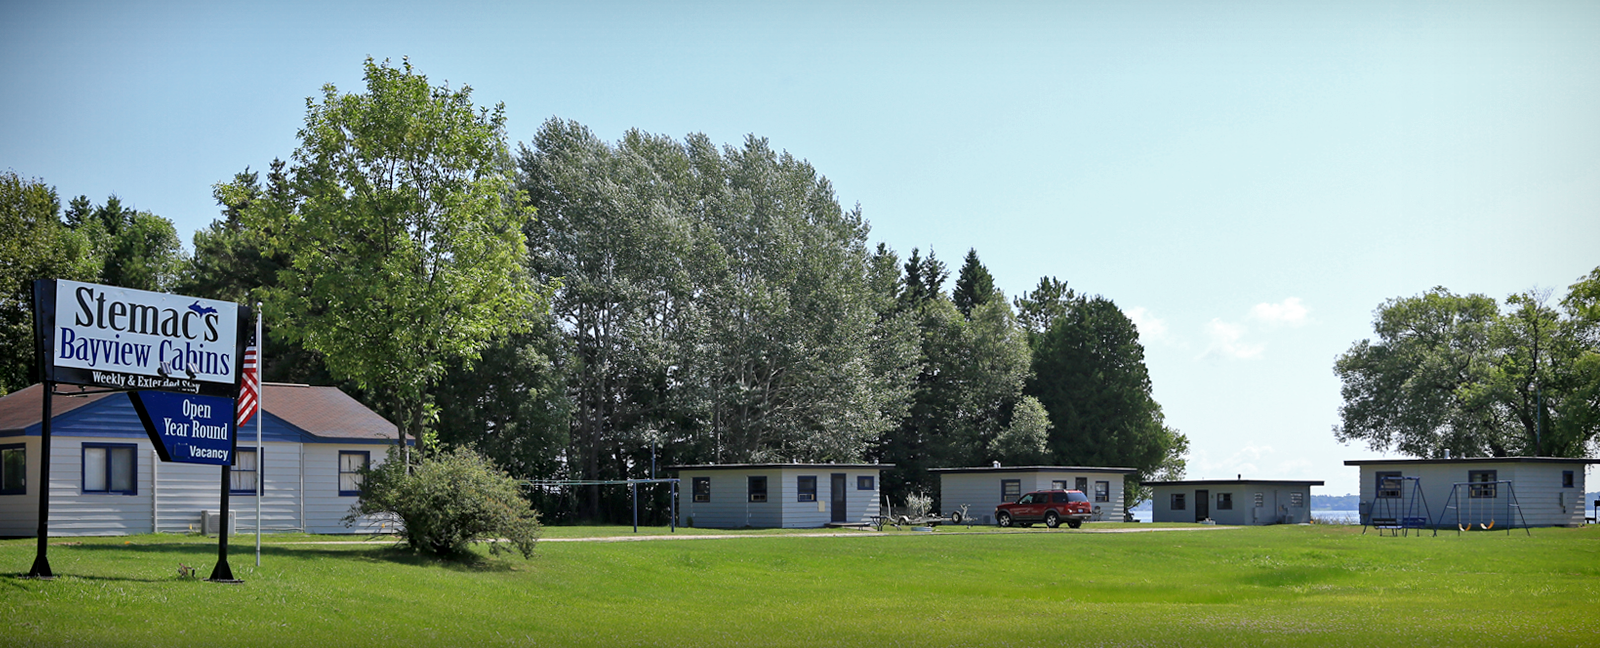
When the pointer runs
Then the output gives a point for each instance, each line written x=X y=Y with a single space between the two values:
x=1289 y=585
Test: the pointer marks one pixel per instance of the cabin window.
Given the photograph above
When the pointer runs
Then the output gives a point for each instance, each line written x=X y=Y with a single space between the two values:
x=1080 y=484
x=246 y=472
x=1177 y=502
x=1059 y=484
x=1483 y=486
x=865 y=482
x=757 y=488
x=1566 y=479
x=702 y=489
x=1260 y=500
x=1389 y=484
x=1102 y=491
x=806 y=489
x=110 y=468
x=13 y=469
x=351 y=463
x=1297 y=500
x=1224 y=501
x=1010 y=490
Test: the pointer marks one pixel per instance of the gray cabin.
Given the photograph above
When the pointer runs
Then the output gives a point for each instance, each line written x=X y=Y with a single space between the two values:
x=777 y=495
x=979 y=489
x=1544 y=491
x=1242 y=502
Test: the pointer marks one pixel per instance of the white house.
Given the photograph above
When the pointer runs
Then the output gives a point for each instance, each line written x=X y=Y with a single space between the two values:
x=1243 y=502
x=1548 y=490
x=981 y=488
x=106 y=479
x=795 y=496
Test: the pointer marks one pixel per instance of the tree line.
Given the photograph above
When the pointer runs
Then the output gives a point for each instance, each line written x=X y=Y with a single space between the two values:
x=583 y=309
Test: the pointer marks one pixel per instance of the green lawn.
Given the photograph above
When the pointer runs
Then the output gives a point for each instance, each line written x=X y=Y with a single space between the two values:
x=1291 y=585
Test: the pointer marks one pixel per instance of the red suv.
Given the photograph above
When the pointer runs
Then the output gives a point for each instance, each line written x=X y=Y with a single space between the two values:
x=1052 y=507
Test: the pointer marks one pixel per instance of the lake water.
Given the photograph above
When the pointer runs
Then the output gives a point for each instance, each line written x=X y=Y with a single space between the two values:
x=1348 y=517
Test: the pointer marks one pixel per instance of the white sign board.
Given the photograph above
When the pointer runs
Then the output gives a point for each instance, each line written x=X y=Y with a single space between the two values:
x=135 y=339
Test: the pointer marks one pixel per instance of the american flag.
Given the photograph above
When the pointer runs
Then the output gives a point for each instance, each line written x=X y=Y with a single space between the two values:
x=249 y=387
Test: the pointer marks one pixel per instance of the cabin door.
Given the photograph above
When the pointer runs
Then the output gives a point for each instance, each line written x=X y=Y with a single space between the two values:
x=838 y=497
x=1202 y=505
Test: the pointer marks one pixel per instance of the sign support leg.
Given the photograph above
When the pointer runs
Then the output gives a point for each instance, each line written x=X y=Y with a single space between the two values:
x=222 y=573
x=41 y=558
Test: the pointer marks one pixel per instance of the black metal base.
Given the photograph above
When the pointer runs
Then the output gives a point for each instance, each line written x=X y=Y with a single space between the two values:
x=222 y=573
x=41 y=568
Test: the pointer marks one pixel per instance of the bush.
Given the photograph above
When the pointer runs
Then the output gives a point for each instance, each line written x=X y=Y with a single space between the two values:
x=450 y=500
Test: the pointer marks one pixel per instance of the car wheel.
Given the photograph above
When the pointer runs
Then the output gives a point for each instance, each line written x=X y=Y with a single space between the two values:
x=1051 y=519
x=1002 y=519
x=955 y=518
x=1074 y=523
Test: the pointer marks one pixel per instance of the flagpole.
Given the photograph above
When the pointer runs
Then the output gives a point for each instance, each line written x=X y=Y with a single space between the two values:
x=261 y=413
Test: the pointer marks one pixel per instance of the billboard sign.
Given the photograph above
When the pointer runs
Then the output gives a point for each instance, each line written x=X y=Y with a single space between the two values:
x=122 y=338
x=187 y=428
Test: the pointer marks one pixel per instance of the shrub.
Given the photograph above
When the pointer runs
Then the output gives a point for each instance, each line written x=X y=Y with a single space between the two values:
x=449 y=500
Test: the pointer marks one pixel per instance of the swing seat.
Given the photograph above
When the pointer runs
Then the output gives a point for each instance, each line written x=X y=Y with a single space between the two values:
x=1486 y=528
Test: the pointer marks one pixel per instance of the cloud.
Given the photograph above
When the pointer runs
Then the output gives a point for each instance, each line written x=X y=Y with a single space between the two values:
x=1290 y=312
x=1150 y=327
x=1227 y=340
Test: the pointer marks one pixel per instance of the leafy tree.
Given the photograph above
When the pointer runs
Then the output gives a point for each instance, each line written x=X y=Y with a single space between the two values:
x=510 y=405
x=448 y=501
x=1038 y=309
x=974 y=286
x=1089 y=373
x=403 y=236
x=970 y=379
x=1027 y=439
x=34 y=244
x=1459 y=374
x=137 y=249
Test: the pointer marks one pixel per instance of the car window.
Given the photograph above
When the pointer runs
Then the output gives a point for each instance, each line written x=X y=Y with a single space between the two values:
x=1058 y=498
x=1026 y=499
x=1075 y=496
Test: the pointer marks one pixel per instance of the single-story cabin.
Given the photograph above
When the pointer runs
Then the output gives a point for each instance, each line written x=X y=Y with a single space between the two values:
x=1243 y=502
x=981 y=488
x=791 y=496
x=1548 y=490
x=106 y=478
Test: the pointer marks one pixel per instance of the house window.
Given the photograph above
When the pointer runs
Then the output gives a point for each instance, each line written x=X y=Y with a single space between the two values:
x=1177 y=502
x=1059 y=484
x=110 y=468
x=245 y=473
x=865 y=482
x=806 y=489
x=1260 y=501
x=1389 y=484
x=1566 y=479
x=1102 y=491
x=13 y=469
x=1081 y=484
x=1224 y=501
x=1010 y=490
x=758 y=489
x=1297 y=500
x=1483 y=486
x=351 y=463
x=702 y=489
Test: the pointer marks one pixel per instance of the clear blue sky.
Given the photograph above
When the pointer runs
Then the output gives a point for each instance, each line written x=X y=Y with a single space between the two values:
x=1248 y=180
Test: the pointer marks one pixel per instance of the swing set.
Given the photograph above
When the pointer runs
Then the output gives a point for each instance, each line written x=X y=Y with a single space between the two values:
x=1483 y=507
x=1399 y=507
